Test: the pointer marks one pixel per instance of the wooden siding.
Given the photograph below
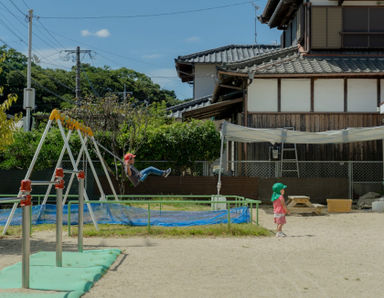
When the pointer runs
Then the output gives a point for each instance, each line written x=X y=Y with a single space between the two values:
x=316 y=122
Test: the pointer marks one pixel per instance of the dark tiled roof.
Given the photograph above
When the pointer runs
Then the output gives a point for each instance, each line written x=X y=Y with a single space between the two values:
x=227 y=54
x=178 y=110
x=290 y=61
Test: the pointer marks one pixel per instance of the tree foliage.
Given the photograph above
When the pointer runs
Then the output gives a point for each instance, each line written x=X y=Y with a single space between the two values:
x=19 y=154
x=7 y=125
x=55 y=88
x=182 y=142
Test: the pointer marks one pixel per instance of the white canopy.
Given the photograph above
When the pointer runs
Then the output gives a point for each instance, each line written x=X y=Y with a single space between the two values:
x=238 y=133
x=242 y=134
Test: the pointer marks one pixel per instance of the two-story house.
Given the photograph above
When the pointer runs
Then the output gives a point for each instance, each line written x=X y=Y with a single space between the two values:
x=328 y=75
x=200 y=70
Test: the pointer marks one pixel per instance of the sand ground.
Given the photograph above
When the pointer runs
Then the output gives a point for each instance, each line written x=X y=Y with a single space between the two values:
x=336 y=255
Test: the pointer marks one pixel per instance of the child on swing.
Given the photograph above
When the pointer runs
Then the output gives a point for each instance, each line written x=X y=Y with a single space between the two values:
x=136 y=176
x=279 y=207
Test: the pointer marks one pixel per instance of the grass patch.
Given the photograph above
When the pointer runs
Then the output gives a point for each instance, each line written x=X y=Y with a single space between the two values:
x=221 y=230
x=16 y=230
x=174 y=206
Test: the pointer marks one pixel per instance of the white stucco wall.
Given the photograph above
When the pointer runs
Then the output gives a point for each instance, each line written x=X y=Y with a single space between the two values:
x=382 y=90
x=295 y=95
x=262 y=95
x=328 y=95
x=362 y=95
x=205 y=80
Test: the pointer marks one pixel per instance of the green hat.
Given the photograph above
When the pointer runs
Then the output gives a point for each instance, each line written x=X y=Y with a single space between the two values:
x=277 y=187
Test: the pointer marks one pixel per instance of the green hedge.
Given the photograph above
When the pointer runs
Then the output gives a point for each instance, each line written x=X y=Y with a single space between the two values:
x=183 y=143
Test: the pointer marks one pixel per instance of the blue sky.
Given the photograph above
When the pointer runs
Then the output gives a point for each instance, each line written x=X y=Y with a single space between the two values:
x=147 y=45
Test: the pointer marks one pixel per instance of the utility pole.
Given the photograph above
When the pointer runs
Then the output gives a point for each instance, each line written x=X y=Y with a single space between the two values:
x=78 y=70
x=256 y=9
x=29 y=93
x=77 y=90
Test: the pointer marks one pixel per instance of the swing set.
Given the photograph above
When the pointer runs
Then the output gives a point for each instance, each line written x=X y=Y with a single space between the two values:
x=86 y=137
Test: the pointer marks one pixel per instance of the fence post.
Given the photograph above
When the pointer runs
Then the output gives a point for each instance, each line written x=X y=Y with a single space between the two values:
x=350 y=179
x=80 y=221
x=257 y=213
x=251 y=211
x=229 y=217
x=59 y=176
x=149 y=217
x=30 y=218
x=69 y=218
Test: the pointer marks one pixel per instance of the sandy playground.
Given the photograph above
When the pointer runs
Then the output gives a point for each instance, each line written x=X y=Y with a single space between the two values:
x=337 y=255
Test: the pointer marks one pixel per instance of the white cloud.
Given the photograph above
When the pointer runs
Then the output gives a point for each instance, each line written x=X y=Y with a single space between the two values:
x=193 y=39
x=103 y=33
x=151 y=56
x=85 y=32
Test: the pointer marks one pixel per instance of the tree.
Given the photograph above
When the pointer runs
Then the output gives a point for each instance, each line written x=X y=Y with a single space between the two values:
x=119 y=125
x=183 y=143
x=7 y=125
x=55 y=87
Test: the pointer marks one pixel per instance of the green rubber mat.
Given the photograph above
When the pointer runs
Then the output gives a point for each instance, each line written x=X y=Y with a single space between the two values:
x=41 y=295
x=78 y=274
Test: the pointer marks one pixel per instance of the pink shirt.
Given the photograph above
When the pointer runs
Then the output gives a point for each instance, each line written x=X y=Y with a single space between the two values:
x=278 y=205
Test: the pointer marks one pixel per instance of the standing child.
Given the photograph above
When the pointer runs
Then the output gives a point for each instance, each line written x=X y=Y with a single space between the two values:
x=279 y=207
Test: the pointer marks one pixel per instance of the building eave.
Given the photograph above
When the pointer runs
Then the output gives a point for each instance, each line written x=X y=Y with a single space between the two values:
x=215 y=110
x=268 y=11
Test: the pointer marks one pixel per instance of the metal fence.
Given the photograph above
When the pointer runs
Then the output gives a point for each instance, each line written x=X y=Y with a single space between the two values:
x=362 y=176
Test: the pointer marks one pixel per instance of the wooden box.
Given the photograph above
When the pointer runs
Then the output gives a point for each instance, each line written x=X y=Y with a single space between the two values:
x=339 y=205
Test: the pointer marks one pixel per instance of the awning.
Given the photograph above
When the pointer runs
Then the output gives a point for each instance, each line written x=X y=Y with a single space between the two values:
x=237 y=133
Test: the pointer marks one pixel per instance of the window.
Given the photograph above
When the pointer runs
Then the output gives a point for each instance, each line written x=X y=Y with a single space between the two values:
x=325 y=27
x=363 y=27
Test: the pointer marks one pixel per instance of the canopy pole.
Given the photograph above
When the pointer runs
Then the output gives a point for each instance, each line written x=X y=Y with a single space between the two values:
x=221 y=162
x=382 y=143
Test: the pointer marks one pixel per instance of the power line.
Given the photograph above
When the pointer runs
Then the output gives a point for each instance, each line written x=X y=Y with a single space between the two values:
x=146 y=15
x=25 y=26
x=46 y=74
x=12 y=31
x=10 y=11
x=25 y=4
x=50 y=34
x=17 y=8
x=107 y=52
x=89 y=82
x=37 y=83
x=18 y=34
x=57 y=81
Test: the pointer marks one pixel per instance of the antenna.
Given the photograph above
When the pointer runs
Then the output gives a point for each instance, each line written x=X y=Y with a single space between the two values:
x=256 y=9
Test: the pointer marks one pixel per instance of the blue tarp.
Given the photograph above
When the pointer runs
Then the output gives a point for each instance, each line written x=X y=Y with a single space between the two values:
x=127 y=215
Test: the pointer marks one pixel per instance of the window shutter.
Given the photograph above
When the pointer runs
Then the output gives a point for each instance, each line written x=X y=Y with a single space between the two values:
x=319 y=27
x=376 y=24
x=334 y=27
x=355 y=19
